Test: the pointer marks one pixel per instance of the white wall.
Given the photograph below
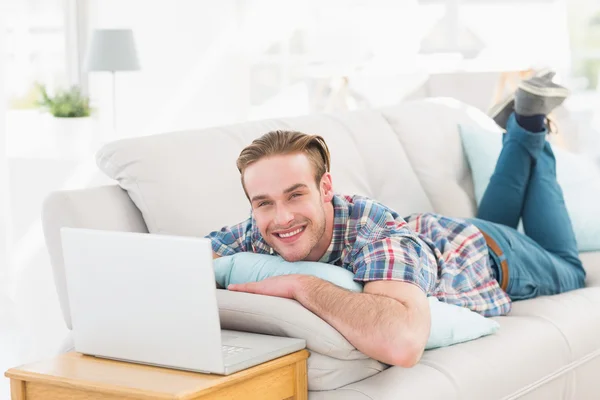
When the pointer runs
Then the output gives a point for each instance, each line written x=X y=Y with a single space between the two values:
x=196 y=55
x=4 y=210
x=192 y=73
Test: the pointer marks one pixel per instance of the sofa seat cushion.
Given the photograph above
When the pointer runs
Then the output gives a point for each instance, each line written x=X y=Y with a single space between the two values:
x=575 y=314
x=538 y=345
x=525 y=351
x=421 y=382
x=328 y=373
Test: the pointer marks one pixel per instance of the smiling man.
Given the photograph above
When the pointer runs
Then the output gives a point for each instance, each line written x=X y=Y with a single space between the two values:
x=298 y=231
x=481 y=263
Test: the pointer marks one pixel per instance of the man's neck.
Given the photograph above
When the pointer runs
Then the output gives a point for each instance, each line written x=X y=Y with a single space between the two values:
x=321 y=248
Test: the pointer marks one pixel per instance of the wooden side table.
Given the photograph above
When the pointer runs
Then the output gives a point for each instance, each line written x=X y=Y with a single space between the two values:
x=76 y=377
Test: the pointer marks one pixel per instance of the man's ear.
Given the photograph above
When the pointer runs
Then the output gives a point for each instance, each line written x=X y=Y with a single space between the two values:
x=326 y=187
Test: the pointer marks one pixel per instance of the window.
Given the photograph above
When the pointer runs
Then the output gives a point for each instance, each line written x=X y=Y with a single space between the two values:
x=35 y=49
x=584 y=27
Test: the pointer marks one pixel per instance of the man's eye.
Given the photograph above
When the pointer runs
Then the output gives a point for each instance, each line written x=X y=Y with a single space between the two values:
x=263 y=203
x=295 y=195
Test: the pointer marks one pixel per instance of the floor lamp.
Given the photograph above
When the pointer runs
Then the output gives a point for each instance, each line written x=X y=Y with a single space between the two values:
x=112 y=50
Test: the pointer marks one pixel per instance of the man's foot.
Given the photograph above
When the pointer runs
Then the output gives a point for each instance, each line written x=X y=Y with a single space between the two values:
x=539 y=96
x=501 y=111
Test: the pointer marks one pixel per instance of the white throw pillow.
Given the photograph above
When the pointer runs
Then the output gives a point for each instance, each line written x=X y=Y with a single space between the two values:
x=450 y=324
x=276 y=316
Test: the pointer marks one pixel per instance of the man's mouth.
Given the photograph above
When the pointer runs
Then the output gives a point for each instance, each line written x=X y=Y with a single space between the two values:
x=290 y=235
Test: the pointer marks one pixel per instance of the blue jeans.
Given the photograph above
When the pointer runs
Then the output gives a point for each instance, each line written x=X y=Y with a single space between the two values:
x=545 y=260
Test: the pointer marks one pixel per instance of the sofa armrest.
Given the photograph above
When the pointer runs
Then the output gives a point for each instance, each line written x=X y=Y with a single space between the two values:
x=103 y=207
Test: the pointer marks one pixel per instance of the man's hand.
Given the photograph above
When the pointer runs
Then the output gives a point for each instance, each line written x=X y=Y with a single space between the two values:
x=279 y=286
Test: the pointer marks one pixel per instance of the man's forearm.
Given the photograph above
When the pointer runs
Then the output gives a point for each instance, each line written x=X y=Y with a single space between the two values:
x=376 y=325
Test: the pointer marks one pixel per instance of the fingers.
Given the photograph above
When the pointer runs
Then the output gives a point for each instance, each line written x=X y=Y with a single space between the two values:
x=243 y=287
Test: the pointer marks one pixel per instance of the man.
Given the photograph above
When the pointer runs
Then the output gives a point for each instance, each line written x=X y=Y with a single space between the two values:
x=479 y=263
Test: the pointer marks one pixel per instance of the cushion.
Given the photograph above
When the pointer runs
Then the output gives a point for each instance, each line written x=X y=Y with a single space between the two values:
x=578 y=176
x=328 y=373
x=428 y=131
x=450 y=324
x=276 y=316
x=252 y=267
x=186 y=183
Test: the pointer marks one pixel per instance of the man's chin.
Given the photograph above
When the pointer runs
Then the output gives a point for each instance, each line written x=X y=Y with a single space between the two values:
x=292 y=257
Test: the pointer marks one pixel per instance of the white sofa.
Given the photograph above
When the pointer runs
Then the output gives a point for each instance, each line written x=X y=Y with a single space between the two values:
x=409 y=157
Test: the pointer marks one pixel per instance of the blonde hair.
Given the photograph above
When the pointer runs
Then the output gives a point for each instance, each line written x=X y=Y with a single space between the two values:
x=281 y=142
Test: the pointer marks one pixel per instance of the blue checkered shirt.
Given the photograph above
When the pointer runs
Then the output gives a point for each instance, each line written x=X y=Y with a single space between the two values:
x=446 y=257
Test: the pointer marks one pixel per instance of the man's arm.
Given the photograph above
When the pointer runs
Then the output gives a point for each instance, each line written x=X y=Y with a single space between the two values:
x=389 y=321
x=231 y=239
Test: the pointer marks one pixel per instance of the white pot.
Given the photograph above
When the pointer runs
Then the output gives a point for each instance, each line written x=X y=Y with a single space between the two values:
x=72 y=136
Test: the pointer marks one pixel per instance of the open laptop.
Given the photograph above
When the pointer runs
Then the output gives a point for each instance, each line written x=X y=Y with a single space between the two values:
x=151 y=299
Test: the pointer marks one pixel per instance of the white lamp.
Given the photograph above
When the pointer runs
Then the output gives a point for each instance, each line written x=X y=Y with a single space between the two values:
x=451 y=35
x=112 y=50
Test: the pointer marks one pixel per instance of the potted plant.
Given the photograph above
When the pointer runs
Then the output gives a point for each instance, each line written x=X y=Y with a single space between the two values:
x=70 y=121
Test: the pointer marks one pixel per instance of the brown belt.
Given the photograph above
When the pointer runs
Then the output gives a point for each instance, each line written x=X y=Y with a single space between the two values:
x=503 y=264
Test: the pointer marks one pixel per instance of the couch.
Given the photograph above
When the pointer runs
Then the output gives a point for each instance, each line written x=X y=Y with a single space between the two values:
x=408 y=156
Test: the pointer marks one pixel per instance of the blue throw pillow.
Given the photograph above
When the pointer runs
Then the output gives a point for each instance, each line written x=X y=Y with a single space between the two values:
x=252 y=267
x=578 y=176
x=450 y=324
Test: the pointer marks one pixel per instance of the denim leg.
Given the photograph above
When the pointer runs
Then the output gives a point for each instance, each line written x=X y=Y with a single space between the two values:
x=532 y=270
x=545 y=261
x=504 y=196
x=545 y=216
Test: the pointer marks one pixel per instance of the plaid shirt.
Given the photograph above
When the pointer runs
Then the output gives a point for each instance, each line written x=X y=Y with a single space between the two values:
x=445 y=257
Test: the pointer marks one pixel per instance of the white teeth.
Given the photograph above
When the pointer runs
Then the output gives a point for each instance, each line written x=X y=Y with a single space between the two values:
x=286 y=235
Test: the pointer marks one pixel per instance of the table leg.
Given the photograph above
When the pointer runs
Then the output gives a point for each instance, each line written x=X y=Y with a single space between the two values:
x=17 y=389
x=301 y=381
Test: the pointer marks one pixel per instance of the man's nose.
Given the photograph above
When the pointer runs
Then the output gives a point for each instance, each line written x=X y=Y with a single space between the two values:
x=284 y=216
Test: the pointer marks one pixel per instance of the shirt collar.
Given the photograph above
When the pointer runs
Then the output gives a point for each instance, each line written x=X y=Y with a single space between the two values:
x=340 y=219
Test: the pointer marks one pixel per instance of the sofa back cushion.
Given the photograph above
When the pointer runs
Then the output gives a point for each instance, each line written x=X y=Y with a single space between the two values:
x=187 y=183
x=429 y=133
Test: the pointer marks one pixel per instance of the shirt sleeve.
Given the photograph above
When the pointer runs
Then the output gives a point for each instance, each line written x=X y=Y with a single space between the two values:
x=233 y=239
x=395 y=258
x=387 y=249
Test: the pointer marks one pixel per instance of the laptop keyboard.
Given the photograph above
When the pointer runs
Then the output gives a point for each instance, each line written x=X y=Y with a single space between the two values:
x=232 y=350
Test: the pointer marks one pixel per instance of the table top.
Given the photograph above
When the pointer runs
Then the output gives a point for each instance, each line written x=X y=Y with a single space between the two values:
x=75 y=370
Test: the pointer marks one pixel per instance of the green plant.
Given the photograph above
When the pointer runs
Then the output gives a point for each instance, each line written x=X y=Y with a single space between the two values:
x=68 y=103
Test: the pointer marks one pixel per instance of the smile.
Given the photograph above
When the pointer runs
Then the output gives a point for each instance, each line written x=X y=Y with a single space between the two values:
x=290 y=234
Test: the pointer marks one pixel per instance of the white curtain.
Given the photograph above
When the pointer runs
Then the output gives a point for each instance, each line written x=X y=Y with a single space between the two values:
x=9 y=326
x=30 y=323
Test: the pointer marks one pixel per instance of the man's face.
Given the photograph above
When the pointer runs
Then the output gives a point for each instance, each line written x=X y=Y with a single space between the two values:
x=289 y=207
